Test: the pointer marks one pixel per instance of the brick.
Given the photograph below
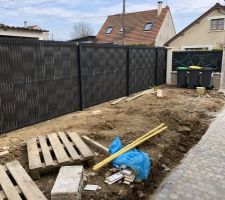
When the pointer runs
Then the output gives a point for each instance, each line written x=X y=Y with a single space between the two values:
x=68 y=184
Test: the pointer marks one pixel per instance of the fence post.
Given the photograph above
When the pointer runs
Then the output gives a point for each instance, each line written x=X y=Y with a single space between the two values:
x=222 y=78
x=156 y=66
x=80 y=77
x=169 y=65
x=128 y=71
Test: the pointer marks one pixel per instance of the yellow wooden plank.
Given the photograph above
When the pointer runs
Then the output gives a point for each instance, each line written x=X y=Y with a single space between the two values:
x=125 y=149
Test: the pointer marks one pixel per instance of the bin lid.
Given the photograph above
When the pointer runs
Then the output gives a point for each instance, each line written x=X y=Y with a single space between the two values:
x=195 y=67
x=207 y=69
x=182 y=68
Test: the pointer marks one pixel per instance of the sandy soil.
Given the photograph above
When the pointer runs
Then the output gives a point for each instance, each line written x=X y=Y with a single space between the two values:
x=186 y=115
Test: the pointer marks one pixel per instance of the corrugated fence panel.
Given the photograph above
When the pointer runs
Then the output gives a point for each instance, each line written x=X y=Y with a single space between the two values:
x=39 y=80
x=142 y=65
x=104 y=73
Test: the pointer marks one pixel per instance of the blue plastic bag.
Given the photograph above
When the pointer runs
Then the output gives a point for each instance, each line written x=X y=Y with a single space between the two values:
x=135 y=159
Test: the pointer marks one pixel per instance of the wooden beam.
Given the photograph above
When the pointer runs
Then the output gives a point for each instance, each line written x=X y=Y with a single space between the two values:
x=118 y=100
x=95 y=144
x=141 y=94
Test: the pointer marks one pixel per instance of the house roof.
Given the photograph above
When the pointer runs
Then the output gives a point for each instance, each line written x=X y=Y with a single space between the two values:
x=85 y=38
x=28 y=28
x=134 y=27
x=217 y=6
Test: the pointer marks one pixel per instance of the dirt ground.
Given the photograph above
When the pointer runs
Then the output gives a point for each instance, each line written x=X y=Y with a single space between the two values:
x=187 y=116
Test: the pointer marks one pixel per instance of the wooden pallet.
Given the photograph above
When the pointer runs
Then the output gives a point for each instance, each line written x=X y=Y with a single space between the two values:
x=55 y=150
x=16 y=184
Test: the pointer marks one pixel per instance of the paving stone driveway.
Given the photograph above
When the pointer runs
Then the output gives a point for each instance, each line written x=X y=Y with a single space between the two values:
x=201 y=174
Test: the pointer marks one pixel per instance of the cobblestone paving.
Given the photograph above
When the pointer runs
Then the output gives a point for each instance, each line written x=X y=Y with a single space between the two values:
x=201 y=174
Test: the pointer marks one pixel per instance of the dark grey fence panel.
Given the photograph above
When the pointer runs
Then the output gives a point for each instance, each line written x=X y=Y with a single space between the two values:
x=39 y=81
x=104 y=73
x=161 y=66
x=142 y=68
x=198 y=58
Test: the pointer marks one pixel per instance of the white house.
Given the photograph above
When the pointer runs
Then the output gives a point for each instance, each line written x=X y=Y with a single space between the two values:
x=26 y=32
x=205 y=33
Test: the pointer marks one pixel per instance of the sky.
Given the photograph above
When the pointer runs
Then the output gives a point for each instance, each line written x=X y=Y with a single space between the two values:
x=59 y=16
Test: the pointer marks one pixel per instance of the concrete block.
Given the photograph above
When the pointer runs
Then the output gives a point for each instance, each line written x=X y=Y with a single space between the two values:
x=216 y=80
x=174 y=78
x=68 y=184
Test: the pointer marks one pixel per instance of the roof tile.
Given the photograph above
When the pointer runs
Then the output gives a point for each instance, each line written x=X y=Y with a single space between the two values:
x=134 y=27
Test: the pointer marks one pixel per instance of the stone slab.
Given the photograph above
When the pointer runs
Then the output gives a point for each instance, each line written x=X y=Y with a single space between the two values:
x=68 y=184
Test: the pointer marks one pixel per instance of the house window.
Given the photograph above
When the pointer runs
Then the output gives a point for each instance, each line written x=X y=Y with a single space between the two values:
x=109 y=30
x=217 y=24
x=197 y=49
x=148 y=26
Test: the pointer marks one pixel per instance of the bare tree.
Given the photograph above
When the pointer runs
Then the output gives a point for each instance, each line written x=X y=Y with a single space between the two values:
x=81 y=29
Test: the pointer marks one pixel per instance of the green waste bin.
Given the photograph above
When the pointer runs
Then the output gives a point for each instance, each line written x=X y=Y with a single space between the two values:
x=182 y=77
x=206 y=77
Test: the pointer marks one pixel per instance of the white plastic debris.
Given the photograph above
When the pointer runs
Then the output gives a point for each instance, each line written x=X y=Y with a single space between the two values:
x=92 y=187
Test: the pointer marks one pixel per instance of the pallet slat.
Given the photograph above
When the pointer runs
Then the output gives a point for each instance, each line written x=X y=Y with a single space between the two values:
x=33 y=154
x=7 y=186
x=58 y=148
x=83 y=148
x=25 y=183
x=75 y=156
x=45 y=151
x=2 y=196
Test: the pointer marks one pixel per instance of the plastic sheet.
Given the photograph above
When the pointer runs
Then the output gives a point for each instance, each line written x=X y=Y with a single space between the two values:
x=135 y=159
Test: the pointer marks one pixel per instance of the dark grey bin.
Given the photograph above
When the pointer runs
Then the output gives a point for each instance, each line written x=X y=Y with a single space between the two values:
x=193 y=78
x=182 y=77
x=206 y=78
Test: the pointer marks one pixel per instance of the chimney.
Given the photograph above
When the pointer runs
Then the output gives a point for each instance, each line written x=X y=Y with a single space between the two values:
x=25 y=24
x=159 y=9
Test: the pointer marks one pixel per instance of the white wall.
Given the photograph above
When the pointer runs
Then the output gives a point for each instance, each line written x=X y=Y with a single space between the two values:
x=23 y=33
x=166 y=32
x=200 y=35
x=222 y=81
